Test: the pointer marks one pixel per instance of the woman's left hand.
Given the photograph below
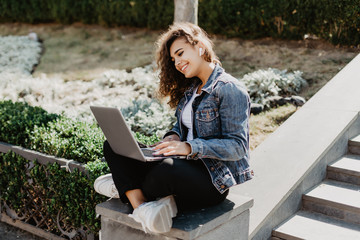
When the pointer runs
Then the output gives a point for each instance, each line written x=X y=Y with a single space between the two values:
x=172 y=148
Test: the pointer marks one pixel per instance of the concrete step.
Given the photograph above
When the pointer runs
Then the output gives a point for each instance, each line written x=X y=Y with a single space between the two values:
x=307 y=225
x=346 y=169
x=354 y=145
x=335 y=199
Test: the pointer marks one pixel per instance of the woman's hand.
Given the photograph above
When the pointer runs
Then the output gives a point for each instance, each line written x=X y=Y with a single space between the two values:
x=173 y=147
x=172 y=137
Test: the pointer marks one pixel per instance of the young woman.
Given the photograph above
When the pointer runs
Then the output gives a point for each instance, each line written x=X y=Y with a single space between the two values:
x=212 y=111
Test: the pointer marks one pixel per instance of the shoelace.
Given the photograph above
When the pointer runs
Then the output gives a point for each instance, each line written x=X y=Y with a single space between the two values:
x=113 y=191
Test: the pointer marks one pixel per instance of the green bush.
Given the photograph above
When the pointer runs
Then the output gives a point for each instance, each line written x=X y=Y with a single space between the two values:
x=265 y=83
x=36 y=129
x=55 y=191
x=13 y=179
x=17 y=120
x=68 y=138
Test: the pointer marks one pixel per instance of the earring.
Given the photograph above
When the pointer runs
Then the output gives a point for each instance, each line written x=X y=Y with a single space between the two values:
x=200 y=52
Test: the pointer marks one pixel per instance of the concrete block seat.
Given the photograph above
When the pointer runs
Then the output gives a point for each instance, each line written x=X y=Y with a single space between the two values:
x=228 y=220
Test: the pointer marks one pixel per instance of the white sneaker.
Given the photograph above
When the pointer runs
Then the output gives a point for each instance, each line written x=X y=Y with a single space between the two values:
x=156 y=216
x=105 y=186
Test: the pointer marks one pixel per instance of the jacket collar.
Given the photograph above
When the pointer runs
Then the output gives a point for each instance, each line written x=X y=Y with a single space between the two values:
x=209 y=85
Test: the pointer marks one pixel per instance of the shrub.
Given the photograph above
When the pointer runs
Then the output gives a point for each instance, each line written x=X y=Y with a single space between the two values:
x=64 y=200
x=17 y=121
x=68 y=138
x=262 y=84
x=19 y=54
x=148 y=117
x=13 y=179
x=50 y=193
x=34 y=128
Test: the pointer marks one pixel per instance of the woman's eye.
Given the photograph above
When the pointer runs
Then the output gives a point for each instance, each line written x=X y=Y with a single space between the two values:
x=180 y=53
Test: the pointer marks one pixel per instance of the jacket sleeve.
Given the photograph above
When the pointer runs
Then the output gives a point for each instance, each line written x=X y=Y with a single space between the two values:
x=234 y=113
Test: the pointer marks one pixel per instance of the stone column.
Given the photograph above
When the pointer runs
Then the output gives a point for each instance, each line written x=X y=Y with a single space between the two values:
x=186 y=11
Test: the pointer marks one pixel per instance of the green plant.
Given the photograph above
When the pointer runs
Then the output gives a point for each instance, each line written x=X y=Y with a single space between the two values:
x=60 y=196
x=263 y=84
x=17 y=121
x=68 y=138
x=147 y=140
x=148 y=117
x=13 y=179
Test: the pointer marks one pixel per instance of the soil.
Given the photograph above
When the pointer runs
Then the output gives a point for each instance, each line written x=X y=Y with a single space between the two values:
x=8 y=232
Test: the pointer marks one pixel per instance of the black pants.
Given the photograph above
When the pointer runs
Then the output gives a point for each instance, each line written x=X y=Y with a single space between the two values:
x=188 y=180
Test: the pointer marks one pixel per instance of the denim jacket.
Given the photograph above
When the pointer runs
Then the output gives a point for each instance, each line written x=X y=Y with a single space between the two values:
x=220 y=128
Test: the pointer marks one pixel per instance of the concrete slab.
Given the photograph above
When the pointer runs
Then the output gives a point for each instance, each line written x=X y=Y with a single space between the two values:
x=305 y=225
x=349 y=164
x=337 y=194
x=354 y=145
x=355 y=140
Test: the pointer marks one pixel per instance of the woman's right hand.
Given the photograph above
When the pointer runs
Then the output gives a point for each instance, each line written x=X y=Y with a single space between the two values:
x=172 y=137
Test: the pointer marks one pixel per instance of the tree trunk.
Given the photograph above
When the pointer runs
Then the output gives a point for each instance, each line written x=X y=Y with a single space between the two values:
x=186 y=11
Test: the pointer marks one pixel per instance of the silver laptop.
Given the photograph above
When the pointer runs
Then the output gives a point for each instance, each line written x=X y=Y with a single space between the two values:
x=119 y=136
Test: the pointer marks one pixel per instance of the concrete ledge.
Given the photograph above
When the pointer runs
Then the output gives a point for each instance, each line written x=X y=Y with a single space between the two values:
x=228 y=220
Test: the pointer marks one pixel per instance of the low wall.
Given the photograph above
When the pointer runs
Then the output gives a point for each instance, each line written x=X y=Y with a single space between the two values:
x=226 y=221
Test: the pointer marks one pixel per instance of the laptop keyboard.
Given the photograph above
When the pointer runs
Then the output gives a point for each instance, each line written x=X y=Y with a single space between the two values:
x=149 y=153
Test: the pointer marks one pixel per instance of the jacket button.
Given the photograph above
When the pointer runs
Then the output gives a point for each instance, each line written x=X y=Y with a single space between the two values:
x=212 y=169
x=222 y=186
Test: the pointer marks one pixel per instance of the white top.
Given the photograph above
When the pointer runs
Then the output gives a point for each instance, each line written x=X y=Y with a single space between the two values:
x=187 y=116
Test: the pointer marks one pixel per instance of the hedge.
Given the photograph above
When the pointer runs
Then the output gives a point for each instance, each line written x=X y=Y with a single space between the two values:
x=53 y=190
x=334 y=20
x=49 y=192
x=34 y=128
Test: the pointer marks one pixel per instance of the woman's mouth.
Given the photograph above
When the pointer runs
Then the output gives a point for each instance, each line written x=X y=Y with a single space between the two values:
x=184 y=67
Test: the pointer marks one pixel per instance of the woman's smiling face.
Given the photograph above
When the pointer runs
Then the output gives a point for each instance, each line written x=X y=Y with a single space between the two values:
x=186 y=58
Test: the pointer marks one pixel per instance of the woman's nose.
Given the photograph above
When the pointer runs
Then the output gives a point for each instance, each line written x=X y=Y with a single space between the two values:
x=177 y=62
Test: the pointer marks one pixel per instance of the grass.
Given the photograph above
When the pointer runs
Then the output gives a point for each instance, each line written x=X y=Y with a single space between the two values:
x=261 y=125
x=82 y=52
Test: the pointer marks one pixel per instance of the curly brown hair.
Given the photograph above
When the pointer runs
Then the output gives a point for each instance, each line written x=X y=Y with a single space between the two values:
x=173 y=84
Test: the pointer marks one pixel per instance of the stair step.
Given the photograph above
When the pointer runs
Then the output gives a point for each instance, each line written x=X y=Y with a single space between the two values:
x=335 y=199
x=354 y=145
x=307 y=225
x=346 y=169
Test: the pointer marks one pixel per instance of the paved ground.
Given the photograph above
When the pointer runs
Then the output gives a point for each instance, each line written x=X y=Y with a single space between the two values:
x=8 y=232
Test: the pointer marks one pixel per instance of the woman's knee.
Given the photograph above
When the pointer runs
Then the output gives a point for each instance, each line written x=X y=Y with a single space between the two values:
x=107 y=150
x=106 y=146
